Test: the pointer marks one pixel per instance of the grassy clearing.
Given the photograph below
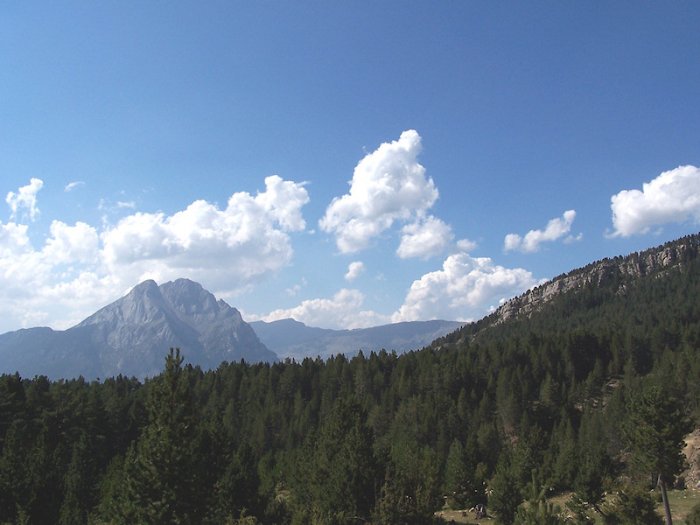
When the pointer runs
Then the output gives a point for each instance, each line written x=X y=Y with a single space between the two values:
x=682 y=501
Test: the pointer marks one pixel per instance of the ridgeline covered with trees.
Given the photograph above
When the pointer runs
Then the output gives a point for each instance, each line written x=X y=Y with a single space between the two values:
x=591 y=393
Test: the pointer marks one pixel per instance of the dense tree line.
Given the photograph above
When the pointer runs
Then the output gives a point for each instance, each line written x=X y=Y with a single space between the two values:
x=490 y=414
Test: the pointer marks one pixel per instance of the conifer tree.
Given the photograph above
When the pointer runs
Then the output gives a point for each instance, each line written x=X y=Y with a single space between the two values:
x=656 y=426
x=159 y=487
x=505 y=494
x=343 y=479
x=78 y=489
x=458 y=486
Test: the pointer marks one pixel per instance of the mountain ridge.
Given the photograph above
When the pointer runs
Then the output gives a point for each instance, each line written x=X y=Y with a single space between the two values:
x=131 y=336
x=293 y=339
x=603 y=271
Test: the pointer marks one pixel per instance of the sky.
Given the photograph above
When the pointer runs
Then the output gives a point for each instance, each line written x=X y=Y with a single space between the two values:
x=347 y=164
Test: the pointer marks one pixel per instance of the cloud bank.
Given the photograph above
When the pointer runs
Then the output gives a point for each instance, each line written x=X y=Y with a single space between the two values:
x=672 y=197
x=343 y=310
x=79 y=268
x=465 y=289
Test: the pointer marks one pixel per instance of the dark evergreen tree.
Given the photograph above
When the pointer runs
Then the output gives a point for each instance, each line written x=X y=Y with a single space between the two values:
x=79 y=488
x=343 y=481
x=159 y=487
x=458 y=477
x=505 y=487
x=656 y=425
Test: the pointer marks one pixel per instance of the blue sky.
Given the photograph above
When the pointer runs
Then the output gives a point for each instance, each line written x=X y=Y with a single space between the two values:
x=343 y=163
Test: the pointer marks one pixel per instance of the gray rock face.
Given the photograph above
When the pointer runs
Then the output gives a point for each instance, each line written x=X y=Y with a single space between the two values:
x=132 y=336
x=292 y=339
x=617 y=271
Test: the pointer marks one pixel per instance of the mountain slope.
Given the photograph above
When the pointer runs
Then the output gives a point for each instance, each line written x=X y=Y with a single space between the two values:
x=290 y=338
x=607 y=272
x=623 y=291
x=132 y=335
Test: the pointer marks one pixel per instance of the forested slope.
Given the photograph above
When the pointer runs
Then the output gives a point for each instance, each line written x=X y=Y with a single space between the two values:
x=549 y=396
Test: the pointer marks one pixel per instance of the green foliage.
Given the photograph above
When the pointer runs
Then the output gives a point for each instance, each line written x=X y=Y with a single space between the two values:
x=342 y=481
x=537 y=510
x=458 y=484
x=567 y=392
x=506 y=495
x=694 y=517
x=632 y=506
x=656 y=425
x=159 y=484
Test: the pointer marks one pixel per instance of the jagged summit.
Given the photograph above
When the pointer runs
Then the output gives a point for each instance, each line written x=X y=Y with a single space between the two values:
x=132 y=335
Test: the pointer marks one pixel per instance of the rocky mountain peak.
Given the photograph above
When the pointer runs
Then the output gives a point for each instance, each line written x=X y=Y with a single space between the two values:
x=132 y=335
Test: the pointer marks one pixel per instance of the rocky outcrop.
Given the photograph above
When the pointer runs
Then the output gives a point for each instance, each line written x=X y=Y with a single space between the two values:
x=607 y=272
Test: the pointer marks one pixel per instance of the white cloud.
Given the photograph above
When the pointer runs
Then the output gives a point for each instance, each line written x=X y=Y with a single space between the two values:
x=343 y=310
x=73 y=185
x=465 y=245
x=72 y=244
x=556 y=229
x=50 y=284
x=387 y=186
x=355 y=269
x=78 y=268
x=219 y=247
x=424 y=238
x=131 y=205
x=672 y=197
x=465 y=289
x=13 y=239
x=294 y=290
x=25 y=198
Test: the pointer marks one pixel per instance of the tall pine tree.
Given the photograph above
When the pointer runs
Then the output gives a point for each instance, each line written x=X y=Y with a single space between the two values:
x=159 y=487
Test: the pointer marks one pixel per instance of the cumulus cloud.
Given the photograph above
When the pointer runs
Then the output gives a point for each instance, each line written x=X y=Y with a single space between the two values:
x=25 y=198
x=424 y=238
x=13 y=239
x=72 y=244
x=556 y=229
x=672 y=197
x=343 y=310
x=465 y=289
x=355 y=269
x=387 y=186
x=51 y=283
x=79 y=268
x=221 y=247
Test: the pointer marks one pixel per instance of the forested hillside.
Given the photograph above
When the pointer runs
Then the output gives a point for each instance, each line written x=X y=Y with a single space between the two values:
x=564 y=397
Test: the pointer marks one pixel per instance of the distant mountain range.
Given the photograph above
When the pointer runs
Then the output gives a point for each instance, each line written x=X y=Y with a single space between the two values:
x=132 y=336
x=291 y=339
